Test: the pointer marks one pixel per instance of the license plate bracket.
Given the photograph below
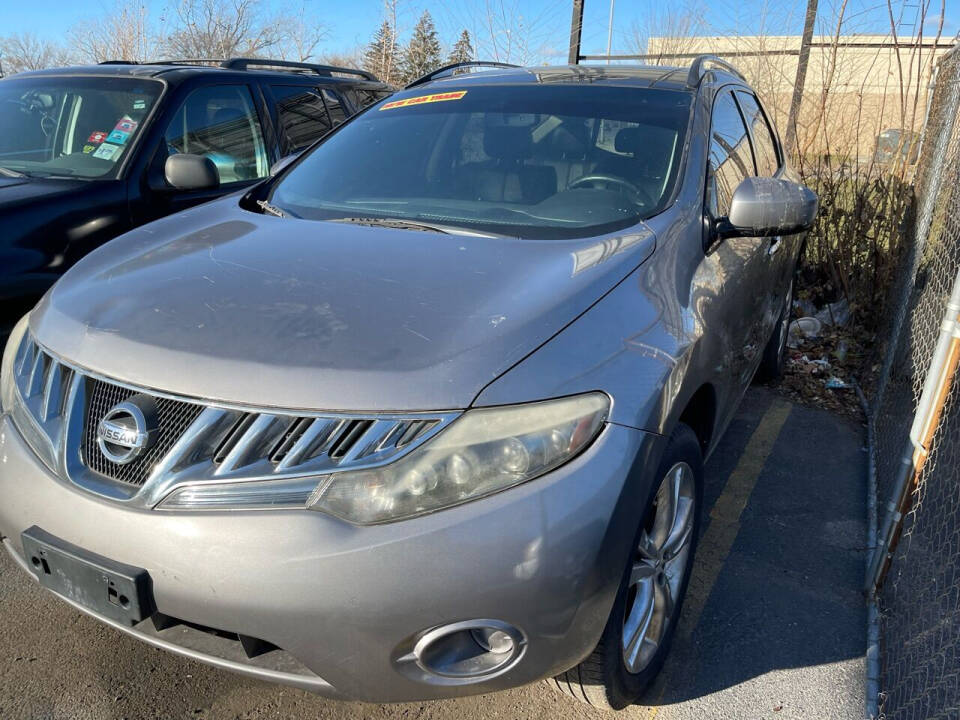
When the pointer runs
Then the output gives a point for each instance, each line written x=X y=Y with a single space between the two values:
x=118 y=591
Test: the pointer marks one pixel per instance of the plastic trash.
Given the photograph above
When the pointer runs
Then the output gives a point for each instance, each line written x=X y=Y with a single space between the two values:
x=803 y=328
x=835 y=383
x=837 y=313
x=841 y=351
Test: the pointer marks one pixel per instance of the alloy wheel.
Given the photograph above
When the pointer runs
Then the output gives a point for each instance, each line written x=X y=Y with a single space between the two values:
x=658 y=568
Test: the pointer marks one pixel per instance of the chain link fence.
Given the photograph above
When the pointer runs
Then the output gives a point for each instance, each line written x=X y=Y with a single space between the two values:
x=916 y=429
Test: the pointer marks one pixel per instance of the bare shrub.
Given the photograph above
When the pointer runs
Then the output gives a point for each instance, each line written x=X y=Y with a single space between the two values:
x=25 y=51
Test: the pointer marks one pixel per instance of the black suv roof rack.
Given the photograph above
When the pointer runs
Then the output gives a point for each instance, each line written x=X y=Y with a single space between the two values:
x=214 y=62
x=325 y=70
x=698 y=69
x=456 y=66
x=248 y=63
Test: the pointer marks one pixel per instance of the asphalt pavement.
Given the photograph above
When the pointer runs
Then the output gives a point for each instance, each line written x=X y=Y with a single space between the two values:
x=774 y=625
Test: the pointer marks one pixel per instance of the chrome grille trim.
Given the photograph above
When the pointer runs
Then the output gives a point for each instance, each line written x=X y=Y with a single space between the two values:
x=57 y=400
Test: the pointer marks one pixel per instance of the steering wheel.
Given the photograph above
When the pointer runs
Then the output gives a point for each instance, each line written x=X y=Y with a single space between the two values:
x=641 y=195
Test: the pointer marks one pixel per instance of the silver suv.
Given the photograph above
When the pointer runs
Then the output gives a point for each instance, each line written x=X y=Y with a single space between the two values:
x=425 y=413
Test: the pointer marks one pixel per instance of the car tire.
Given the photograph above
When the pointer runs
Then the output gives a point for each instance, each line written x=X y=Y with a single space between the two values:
x=618 y=671
x=771 y=365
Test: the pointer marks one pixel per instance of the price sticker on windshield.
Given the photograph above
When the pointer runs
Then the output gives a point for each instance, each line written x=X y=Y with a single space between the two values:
x=423 y=99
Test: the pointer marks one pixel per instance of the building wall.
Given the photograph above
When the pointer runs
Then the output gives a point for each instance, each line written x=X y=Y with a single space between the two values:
x=851 y=94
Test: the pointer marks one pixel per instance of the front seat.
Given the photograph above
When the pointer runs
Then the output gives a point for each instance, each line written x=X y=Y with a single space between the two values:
x=506 y=177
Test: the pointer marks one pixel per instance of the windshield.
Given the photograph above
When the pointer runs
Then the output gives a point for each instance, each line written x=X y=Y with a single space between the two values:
x=68 y=126
x=528 y=161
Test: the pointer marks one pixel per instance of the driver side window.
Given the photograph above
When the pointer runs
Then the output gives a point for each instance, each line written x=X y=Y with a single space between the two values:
x=731 y=160
x=221 y=123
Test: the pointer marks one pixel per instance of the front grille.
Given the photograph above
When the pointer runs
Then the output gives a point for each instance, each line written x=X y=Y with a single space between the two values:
x=173 y=418
x=59 y=408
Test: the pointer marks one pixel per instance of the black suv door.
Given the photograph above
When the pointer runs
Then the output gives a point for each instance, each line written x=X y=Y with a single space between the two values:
x=223 y=122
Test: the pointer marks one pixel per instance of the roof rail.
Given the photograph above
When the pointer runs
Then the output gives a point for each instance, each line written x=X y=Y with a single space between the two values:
x=214 y=62
x=697 y=69
x=179 y=61
x=456 y=66
x=325 y=70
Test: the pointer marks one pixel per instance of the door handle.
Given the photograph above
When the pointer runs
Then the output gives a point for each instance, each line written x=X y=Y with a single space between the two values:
x=775 y=244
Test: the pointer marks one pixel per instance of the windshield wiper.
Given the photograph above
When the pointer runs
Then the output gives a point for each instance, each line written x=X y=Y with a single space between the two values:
x=402 y=224
x=398 y=223
x=11 y=173
x=269 y=209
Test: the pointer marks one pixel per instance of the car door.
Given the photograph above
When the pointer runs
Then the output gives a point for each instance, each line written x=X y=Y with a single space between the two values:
x=781 y=251
x=221 y=122
x=741 y=262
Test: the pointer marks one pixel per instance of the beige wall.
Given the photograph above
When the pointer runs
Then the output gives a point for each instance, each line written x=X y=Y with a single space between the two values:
x=851 y=94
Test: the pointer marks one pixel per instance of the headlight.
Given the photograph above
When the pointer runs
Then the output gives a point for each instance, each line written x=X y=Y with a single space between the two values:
x=8 y=387
x=483 y=452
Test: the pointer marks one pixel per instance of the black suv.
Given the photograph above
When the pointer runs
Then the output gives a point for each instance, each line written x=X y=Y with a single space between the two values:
x=85 y=152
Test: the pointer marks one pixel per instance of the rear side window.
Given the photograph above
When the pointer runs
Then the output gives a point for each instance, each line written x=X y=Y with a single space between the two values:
x=220 y=122
x=364 y=97
x=764 y=146
x=730 y=157
x=335 y=107
x=303 y=116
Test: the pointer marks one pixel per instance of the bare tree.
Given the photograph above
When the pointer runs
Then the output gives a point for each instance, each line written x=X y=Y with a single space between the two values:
x=302 y=33
x=348 y=59
x=25 y=51
x=123 y=33
x=506 y=30
x=223 y=29
x=666 y=31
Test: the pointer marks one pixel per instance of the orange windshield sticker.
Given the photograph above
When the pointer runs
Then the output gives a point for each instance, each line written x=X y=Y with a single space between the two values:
x=421 y=99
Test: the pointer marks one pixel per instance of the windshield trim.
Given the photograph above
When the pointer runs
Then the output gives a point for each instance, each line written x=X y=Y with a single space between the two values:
x=147 y=124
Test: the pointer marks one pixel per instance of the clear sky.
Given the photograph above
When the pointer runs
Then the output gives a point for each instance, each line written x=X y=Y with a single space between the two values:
x=352 y=22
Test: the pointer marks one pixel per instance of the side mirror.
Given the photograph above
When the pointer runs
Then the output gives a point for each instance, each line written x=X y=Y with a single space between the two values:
x=191 y=172
x=280 y=164
x=767 y=207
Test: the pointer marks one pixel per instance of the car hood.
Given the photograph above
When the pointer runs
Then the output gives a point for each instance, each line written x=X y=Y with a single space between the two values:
x=15 y=191
x=239 y=307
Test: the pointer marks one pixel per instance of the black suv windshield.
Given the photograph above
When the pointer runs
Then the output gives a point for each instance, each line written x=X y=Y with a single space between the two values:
x=525 y=160
x=71 y=126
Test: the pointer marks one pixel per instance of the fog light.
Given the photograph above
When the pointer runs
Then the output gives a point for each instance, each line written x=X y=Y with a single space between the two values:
x=461 y=653
x=495 y=641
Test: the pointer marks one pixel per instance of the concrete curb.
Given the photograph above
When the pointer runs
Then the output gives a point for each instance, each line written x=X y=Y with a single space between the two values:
x=872 y=675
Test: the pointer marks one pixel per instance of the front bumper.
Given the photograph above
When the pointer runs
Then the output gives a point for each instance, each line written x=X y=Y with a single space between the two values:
x=340 y=600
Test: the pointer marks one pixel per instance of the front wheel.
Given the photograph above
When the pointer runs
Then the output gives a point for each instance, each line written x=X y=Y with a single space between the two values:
x=638 y=632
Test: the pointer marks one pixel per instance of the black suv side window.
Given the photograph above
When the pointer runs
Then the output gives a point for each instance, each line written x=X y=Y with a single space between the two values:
x=221 y=123
x=302 y=114
x=362 y=97
x=730 y=158
x=764 y=146
x=335 y=107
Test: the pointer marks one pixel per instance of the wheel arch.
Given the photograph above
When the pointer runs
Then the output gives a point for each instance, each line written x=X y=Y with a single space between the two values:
x=700 y=413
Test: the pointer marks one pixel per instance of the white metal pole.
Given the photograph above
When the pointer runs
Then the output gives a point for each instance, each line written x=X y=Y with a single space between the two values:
x=610 y=31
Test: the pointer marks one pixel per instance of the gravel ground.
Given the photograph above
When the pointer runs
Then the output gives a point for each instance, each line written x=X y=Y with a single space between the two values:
x=774 y=626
